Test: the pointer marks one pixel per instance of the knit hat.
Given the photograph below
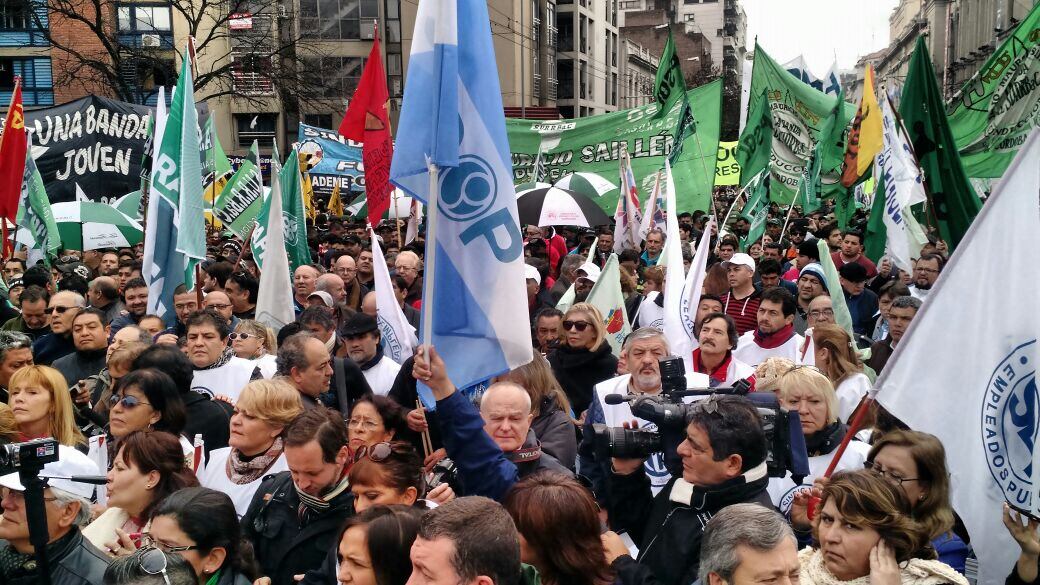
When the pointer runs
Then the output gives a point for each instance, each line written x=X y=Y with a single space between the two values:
x=814 y=269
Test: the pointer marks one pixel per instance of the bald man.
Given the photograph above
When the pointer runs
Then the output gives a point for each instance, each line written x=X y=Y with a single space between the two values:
x=345 y=267
x=406 y=265
x=368 y=306
x=304 y=280
x=220 y=302
x=332 y=284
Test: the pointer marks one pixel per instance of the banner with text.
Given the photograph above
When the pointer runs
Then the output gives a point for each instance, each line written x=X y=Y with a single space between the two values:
x=593 y=144
x=727 y=169
x=331 y=159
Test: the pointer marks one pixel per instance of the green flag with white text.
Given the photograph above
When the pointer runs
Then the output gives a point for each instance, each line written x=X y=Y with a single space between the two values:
x=293 y=217
x=669 y=83
x=994 y=112
x=756 y=141
x=216 y=168
x=34 y=211
x=756 y=211
x=240 y=200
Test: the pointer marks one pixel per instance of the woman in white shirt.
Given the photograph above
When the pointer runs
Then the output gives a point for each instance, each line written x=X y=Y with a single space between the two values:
x=837 y=359
x=255 y=449
x=252 y=340
x=806 y=390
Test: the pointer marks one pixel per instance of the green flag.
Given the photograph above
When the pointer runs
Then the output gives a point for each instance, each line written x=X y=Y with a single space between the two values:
x=178 y=172
x=756 y=142
x=669 y=84
x=756 y=211
x=842 y=317
x=240 y=200
x=292 y=215
x=216 y=168
x=34 y=212
x=952 y=203
x=798 y=114
x=996 y=110
x=877 y=234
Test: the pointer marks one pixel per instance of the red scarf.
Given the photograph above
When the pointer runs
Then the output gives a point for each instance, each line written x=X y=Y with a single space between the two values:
x=719 y=373
x=773 y=340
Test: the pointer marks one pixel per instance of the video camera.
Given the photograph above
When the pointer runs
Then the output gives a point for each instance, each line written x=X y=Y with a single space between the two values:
x=32 y=455
x=784 y=440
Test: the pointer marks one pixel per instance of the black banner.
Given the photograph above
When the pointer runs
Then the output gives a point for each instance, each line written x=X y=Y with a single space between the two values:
x=93 y=143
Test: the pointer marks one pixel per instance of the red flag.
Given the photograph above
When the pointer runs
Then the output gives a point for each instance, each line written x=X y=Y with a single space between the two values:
x=12 y=162
x=368 y=121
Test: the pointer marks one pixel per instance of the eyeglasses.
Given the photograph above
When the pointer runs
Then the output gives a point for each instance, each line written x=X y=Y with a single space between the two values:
x=579 y=326
x=59 y=309
x=364 y=425
x=17 y=496
x=128 y=401
x=378 y=453
x=152 y=561
x=821 y=313
x=148 y=541
x=218 y=306
x=405 y=269
x=882 y=473
x=235 y=336
x=927 y=270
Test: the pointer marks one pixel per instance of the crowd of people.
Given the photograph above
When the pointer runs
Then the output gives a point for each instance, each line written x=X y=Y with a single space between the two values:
x=236 y=455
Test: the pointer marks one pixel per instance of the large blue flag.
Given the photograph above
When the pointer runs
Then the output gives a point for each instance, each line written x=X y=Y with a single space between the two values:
x=453 y=120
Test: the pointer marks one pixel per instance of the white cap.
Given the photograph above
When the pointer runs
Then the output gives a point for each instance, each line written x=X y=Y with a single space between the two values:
x=591 y=271
x=70 y=463
x=531 y=273
x=740 y=259
x=324 y=296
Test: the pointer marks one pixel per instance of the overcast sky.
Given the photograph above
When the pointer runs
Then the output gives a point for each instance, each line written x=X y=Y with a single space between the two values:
x=822 y=30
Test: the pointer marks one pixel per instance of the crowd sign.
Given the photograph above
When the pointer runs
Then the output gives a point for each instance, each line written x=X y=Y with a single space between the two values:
x=332 y=159
x=94 y=145
x=727 y=169
x=593 y=144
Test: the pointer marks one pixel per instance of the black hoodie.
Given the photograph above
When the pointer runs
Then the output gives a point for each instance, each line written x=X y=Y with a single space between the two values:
x=579 y=370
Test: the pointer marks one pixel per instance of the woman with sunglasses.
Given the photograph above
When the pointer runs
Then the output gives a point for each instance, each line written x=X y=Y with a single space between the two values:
x=392 y=473
x=584 y=357
x=864 y=532
x=808 y=392
x=256 y=450
x=148 y=467
x=42 y=406
x=201 y=525
x=147 y=400
x=916 y=462
x=253 y=340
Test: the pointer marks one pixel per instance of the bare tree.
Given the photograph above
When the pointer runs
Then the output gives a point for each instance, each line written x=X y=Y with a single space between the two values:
x=246 y=48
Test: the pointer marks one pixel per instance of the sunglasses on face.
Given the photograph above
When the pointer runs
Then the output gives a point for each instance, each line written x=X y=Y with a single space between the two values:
x=128 y=401
x=378 y=453
x=578 y=326
x=235 y=336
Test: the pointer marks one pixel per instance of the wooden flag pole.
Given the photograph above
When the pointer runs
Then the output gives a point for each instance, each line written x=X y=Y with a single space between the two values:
x=198 y=284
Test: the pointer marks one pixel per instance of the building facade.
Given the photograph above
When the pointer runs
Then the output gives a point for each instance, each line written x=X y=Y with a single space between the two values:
x=638 y=71
x=588 y=57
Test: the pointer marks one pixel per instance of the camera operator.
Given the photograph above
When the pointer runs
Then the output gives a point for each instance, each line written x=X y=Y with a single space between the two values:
x=724 y=463
x=644 y=348
x=493 y=448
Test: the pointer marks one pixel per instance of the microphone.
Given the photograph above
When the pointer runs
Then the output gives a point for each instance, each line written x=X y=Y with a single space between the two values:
x=91 y=479
x=618 y=398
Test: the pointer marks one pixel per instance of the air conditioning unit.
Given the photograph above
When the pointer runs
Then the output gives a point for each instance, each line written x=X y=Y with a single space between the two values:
x=150 y=41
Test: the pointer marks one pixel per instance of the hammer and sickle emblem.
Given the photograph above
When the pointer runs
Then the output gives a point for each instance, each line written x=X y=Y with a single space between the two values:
x=17 y=120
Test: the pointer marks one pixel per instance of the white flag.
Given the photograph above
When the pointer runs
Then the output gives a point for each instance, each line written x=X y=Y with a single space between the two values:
x=608 y=298
x=681 y=297
x=398 y=336
x=627 y=218
x=903 y=186
x=653 y=217
x=274 y=303
x=567 y=299
x=148 y=267
x=965 y=370
x=414 y=217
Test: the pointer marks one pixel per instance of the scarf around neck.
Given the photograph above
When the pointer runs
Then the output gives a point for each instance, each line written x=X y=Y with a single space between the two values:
x=241 y=472
x=224 y=358
x=320 y=504
x=775 y=339
x=912 y=572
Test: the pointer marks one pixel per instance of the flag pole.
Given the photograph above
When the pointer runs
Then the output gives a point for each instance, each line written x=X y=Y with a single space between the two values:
x=430 y=269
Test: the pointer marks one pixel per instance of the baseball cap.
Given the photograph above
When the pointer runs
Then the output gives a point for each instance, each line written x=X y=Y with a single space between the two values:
x=324 y=296
x=740 y=259
x=815 y=269
x=70 y=463
x=853 y=272
x=591 y=271
x=531 y=273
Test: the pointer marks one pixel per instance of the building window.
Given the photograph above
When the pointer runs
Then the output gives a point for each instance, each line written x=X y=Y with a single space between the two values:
x=550 y=61
x=613 y=89
x=17 y=15
x=251 y=74
x=338 y=19
x=689 y=17
x=566 y=79
x=566 y=25
x=144 y=18
x=319 y=120
x=584 y=88
x=260 y=127
x=583 y=34
x=614 y=53
x=337 y=76
x=37 y=85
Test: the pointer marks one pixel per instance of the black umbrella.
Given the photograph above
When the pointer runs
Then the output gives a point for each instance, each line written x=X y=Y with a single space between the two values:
x=555 y=206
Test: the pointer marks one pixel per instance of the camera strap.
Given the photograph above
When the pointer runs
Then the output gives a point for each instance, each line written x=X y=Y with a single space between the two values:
x=526 y=454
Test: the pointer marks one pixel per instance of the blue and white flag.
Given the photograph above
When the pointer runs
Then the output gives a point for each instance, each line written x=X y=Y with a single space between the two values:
x=474 y=288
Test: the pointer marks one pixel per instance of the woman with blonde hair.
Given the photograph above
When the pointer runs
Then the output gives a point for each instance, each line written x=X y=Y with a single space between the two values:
x=767 y=374
x=256 y=449
x=836 y=357
x=8 y=426
x=584 y=357
x=808 y=392
x=865 y=532
x=552 y=425
x=252 y=340
x=42 y=406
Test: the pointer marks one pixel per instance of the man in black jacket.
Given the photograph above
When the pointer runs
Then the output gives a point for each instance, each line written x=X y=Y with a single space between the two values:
x=296 y=515
x=205 y=416
x=724 y=463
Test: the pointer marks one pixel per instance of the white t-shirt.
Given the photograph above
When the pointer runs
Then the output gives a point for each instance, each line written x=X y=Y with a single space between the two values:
x=227 y=380
x=215 y=476
x=850 y=392
x=782 y=490
x=381 y=376
x=267 y=364
x=753 y=354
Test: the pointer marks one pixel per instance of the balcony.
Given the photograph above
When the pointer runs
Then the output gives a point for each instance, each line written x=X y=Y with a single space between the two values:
x=157 y=40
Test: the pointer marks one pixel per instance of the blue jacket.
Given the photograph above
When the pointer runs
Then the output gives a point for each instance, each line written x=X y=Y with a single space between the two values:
x=483 y=468
x=50 y=347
